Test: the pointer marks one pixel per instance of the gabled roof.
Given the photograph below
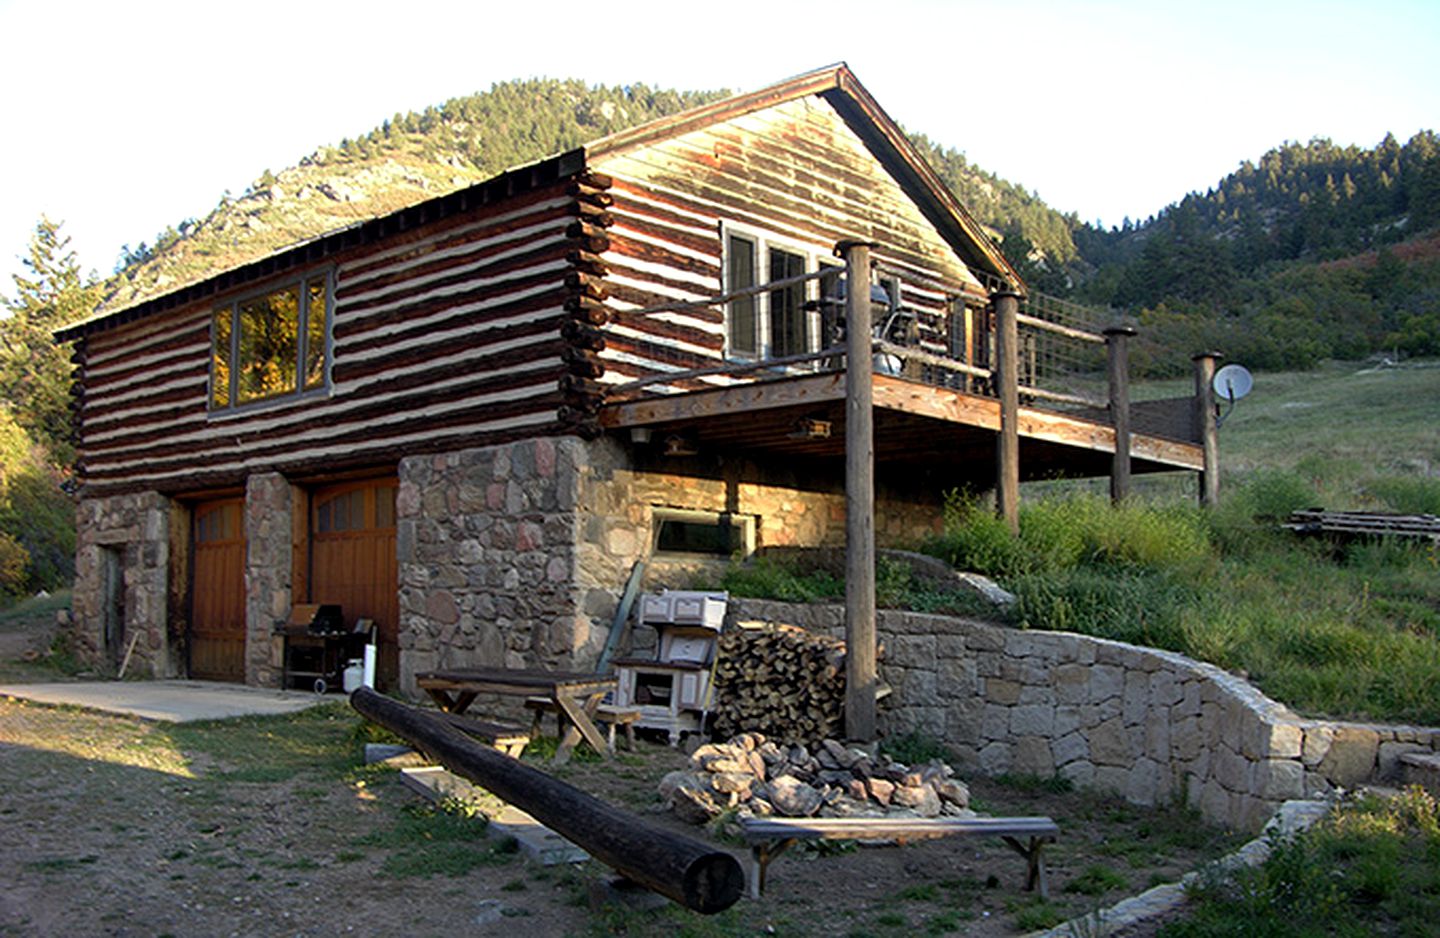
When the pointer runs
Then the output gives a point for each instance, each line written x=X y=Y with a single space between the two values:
x=836 y=84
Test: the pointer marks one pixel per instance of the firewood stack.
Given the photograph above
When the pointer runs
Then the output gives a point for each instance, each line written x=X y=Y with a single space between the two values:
x=779 y=680
x=758 y=776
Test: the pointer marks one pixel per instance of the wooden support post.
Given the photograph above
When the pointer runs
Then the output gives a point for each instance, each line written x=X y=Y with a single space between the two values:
x=1206 y=429
x=1117 y=366
x=860 y=671
x=1007 y=377
x=684 y=869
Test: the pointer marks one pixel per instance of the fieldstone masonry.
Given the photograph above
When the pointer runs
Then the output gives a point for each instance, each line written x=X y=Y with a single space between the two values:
x=516 y=554
x=619 y=497
x=136 y=527
x=269 y=501
x=1149 y=725
x=486 y=544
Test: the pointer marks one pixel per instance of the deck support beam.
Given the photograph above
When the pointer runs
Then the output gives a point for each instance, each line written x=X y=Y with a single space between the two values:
x=1117 y=367
x=861 y=678
x=1206 y=427
x=1007 y=381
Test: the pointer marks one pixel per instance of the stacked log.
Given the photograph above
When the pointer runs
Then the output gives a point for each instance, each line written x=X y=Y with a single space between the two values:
x=779 y=680
x=756 y=776
x=583 y=332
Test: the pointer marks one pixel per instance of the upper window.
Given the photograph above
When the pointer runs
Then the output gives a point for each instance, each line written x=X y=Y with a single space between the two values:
x=777 y=323
x=271 y=345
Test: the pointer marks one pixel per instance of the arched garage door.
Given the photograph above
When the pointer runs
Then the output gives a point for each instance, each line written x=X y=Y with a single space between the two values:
x=352 y=560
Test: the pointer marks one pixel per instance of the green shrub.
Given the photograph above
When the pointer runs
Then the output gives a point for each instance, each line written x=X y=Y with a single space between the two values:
x=1369 y=868
x=1128 y=606
x=1407 y=494
x=1273 y=494
x=975 y=539
x=915 y=747
x=1096 y=880
x=766 y=579
x=1066 y=533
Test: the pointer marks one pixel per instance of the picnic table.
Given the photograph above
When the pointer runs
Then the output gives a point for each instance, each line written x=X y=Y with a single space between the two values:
x=576 y=694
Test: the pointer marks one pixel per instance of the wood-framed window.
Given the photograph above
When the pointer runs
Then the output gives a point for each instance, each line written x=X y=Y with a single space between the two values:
x=777 y=323
x=685 y=532
x=272 y=344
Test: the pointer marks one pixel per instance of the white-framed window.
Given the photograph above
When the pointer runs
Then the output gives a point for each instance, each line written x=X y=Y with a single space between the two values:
x=272 y=344
x=690 y=533
x=780 y=322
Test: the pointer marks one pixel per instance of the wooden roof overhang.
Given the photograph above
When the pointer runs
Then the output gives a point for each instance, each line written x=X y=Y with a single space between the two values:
x=918 y=427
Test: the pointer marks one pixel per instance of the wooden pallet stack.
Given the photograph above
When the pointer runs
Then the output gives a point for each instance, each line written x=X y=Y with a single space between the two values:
x=782 y=681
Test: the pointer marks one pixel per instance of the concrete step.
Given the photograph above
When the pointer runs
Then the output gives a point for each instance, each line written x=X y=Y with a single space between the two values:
x=537 y=841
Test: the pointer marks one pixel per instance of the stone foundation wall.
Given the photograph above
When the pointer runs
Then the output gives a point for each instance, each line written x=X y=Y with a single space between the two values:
x=1149 y=725
x=516 y=555
x=622 y=489
x=136 y=527
x=486 y=545
x=269 y=566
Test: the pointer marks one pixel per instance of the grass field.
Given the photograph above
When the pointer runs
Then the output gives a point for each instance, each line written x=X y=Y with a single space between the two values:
x=1340 y=630
x=1342 y=427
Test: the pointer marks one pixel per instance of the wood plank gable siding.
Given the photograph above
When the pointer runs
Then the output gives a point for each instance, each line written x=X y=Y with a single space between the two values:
x=460 y=334
x=794 y=170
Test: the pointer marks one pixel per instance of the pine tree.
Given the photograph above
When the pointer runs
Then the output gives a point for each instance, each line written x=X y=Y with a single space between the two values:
x=35 y=371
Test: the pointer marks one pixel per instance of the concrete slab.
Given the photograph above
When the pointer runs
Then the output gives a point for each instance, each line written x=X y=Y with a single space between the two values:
x=536 y=841
x=170 y=701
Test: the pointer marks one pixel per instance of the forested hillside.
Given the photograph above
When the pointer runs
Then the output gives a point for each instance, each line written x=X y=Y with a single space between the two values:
x=1317 y=251
x=408 y=158
x=415 y=156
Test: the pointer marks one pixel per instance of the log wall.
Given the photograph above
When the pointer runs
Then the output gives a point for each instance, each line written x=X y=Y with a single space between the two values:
x=466 y=332
x=794 y=171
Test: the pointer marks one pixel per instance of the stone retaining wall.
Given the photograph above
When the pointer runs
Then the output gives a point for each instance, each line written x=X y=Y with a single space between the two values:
x=1146 y=724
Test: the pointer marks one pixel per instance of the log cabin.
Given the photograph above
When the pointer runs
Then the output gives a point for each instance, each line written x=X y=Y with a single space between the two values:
x=468 y=419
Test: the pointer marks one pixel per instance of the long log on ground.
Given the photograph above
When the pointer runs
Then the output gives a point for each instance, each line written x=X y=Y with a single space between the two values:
x=678 y=867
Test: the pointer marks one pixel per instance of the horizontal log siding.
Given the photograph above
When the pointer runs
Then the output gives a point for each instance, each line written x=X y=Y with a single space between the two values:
x=448 y=338
x=795 y=170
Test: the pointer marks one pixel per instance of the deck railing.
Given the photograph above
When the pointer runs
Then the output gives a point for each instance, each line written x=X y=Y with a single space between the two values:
x=1061 y=354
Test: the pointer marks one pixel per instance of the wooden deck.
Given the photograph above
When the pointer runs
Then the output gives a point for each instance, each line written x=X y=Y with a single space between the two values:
x=917 y=425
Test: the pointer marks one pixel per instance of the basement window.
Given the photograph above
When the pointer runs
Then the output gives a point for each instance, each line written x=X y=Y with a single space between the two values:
x=703 y=533
x=271 y=345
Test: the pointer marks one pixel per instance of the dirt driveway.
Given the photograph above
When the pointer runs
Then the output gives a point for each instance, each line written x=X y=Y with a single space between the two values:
x=270 y=826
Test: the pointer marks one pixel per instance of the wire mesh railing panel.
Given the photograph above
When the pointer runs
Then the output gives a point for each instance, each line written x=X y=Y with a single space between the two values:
x=1062 y=352
x=663 y=344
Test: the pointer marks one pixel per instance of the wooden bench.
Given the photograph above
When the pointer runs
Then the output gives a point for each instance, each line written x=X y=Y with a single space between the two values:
x=609 y=714
x=768 y=837
x=506 y=737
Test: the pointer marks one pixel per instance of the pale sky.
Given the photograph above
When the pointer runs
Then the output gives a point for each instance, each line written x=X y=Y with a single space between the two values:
x=124 y=117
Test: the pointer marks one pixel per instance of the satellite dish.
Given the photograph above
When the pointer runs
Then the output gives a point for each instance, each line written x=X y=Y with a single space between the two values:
x=1232 y=382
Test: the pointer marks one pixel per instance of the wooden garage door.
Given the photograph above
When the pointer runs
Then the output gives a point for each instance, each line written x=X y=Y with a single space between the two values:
x=352 y=561
x=217 y=605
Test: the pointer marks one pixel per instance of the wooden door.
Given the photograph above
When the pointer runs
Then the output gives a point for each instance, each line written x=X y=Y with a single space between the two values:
x=352 y=561
x=217 y=603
